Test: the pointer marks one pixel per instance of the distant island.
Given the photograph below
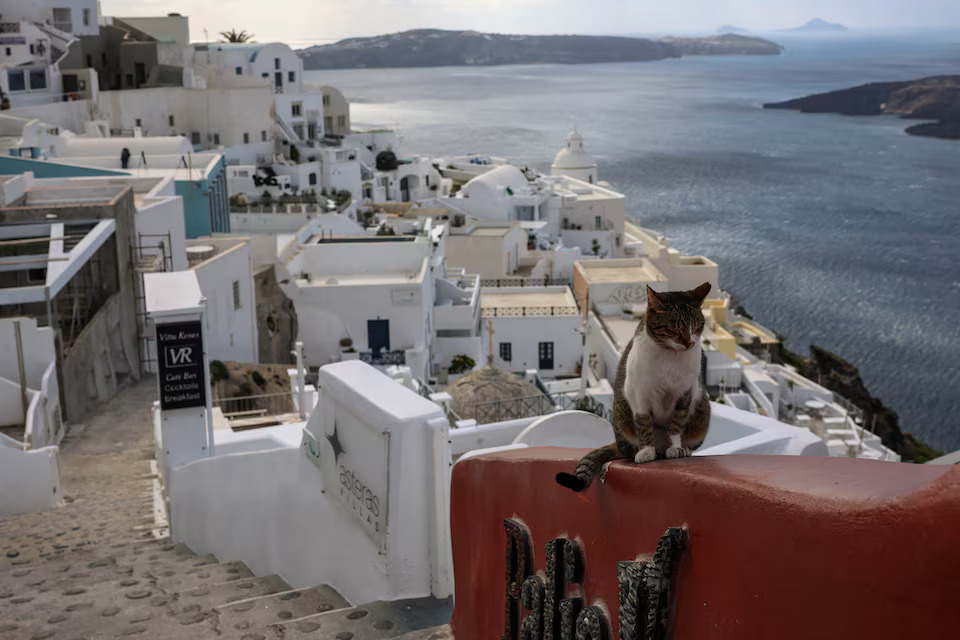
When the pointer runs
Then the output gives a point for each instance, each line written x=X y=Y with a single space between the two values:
x=729 y=28
x=934 y=98
x=817 y=26
x=436 y=47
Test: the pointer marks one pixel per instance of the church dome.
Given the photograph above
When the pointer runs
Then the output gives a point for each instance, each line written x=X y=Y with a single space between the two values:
x=574 y=156
x=474 y=396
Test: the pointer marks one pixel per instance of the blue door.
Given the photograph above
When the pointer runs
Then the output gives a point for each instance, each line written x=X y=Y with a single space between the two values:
x=378 y=335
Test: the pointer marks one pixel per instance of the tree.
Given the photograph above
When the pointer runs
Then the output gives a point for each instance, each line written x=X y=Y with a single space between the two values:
x=234 y=36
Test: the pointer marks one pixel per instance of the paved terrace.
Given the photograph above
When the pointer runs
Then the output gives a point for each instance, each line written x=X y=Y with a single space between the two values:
x=100 y=566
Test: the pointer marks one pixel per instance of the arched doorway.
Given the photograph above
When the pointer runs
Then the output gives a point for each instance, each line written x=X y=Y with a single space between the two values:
x=408 y=184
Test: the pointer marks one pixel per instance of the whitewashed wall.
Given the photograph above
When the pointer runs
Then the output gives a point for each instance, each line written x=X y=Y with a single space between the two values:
x=38 y=350
x=30 y=479
x=294 y=510
x=525 y=334
x=231 y=332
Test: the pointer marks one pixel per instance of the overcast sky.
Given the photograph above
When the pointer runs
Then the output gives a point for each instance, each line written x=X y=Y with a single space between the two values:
x=300 y=22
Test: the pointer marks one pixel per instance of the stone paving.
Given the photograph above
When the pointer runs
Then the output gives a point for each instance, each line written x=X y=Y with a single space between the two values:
x=100 y=566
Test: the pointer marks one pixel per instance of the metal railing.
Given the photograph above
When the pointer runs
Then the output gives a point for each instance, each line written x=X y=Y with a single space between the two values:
x=524 y=282
x=9 y=27
x=517 y=312
x=513 y=409
x=267 y=404
x=384 y=358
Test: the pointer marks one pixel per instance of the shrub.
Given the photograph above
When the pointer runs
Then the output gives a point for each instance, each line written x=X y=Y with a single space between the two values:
x=461 y=364
x=590 y=405
x=266 y=199
x=218 y=371
x=346 y=342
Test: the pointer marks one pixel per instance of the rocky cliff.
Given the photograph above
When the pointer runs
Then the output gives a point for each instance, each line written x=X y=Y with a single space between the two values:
x=934 y=98
x=435 y=47
x=838 y=375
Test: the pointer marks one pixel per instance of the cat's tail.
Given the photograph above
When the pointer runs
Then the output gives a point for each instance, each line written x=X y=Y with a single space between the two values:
x=589 y=467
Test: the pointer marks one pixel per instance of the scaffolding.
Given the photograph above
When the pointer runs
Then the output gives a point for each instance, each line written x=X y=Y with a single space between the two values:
x=151 y=254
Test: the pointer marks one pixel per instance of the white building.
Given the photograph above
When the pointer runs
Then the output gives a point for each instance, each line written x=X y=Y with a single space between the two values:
x=583 y=215
x=533 y=328
x=386 y=299
x=574 y=161
x=224 y=268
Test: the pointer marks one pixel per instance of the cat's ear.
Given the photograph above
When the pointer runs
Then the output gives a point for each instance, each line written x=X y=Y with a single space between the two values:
x=653 y=302
x=700 y=292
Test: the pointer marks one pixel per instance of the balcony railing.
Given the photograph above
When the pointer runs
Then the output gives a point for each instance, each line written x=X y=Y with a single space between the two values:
x=9 y=27
x=268 y=404
x=518 y=312
x=384 y=358
x=523 y=282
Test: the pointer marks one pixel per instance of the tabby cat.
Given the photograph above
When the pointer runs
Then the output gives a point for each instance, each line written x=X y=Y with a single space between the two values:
x=658 y=402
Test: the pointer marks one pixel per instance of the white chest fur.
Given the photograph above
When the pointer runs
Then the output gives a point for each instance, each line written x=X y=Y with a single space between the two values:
x=656 y=378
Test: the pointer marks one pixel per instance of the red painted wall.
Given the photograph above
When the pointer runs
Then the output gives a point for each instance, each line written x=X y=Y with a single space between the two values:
x=779 y=547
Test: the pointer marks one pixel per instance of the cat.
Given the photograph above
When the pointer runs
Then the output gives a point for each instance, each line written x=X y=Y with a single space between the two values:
x=657 y=390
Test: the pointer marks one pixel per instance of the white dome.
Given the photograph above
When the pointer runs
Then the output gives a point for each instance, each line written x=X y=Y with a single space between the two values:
x=487 y=186
x=574 y=156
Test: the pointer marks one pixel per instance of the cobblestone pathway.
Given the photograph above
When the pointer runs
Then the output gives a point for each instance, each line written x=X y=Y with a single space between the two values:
x=101 y=567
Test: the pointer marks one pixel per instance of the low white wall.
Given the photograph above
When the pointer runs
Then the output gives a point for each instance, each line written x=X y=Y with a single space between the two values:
x=483 y=436
x=11 y=403
x=375 y=458
x=30 y=480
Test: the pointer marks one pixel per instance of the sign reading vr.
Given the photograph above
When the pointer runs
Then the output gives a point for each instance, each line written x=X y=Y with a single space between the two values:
x=180 y=358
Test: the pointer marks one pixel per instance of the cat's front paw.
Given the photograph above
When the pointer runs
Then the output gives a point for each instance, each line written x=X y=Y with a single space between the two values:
x=645 y=454
x=677 y=452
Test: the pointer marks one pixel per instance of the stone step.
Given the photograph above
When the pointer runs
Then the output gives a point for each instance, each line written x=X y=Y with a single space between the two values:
x=263 y=611
x=441 y=632
x=199 y=577
x=373 y=621
x=209 y=597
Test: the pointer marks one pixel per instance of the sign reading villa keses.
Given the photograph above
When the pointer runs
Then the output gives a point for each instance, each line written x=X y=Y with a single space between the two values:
x=180 y=361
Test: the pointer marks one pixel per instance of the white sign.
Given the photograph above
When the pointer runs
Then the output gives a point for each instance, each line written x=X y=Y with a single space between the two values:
x=353 y=458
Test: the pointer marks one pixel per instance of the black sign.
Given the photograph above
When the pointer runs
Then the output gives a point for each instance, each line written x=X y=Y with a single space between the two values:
x=180 y=357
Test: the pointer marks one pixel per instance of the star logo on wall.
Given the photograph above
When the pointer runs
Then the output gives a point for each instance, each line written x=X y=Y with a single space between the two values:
x=334 y=441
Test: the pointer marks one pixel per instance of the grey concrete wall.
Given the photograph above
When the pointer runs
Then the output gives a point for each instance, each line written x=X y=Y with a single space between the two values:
x=276 y=319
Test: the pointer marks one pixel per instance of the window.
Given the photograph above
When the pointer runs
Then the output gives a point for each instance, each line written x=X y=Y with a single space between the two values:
x=37 y=275
x=103 y=59
x=506 y=351
x=195 y=138
x=129 y=79
x=597 y=223
x=263 y=136
x=326 y=101
x=328 y=123
x=312 y=179
x=239 y=71
x=291 y=76
x=16 y=81
x=382 y=182
x=89 y=61
x=296 y=109
x=170 y=120
x=38 y=79
x=276 y=63
x=264 y=75
x=311 y=131
x=216 y=138
x=86 y=17
x=32 y=50
x=236 y=295
x=246 y=138
x=298 y=130
x=138 y=122
x=367 y=192
x=63 y=20
x=9 y=51
x=341 y=121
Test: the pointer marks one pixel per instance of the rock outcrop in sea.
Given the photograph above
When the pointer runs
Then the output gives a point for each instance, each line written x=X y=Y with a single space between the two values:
x=839 y=376
x=934 y=98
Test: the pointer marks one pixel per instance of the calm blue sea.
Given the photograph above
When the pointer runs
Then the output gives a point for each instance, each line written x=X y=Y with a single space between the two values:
x=838 y=231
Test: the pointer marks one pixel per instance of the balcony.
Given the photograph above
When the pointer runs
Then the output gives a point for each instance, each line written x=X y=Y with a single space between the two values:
x=384 y=358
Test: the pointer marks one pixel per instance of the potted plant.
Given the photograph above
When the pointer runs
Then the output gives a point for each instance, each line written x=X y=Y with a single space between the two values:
x=459 y=365
x=347 y=352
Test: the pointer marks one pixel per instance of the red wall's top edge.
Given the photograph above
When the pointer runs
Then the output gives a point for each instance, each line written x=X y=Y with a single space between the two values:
x=783 y=547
